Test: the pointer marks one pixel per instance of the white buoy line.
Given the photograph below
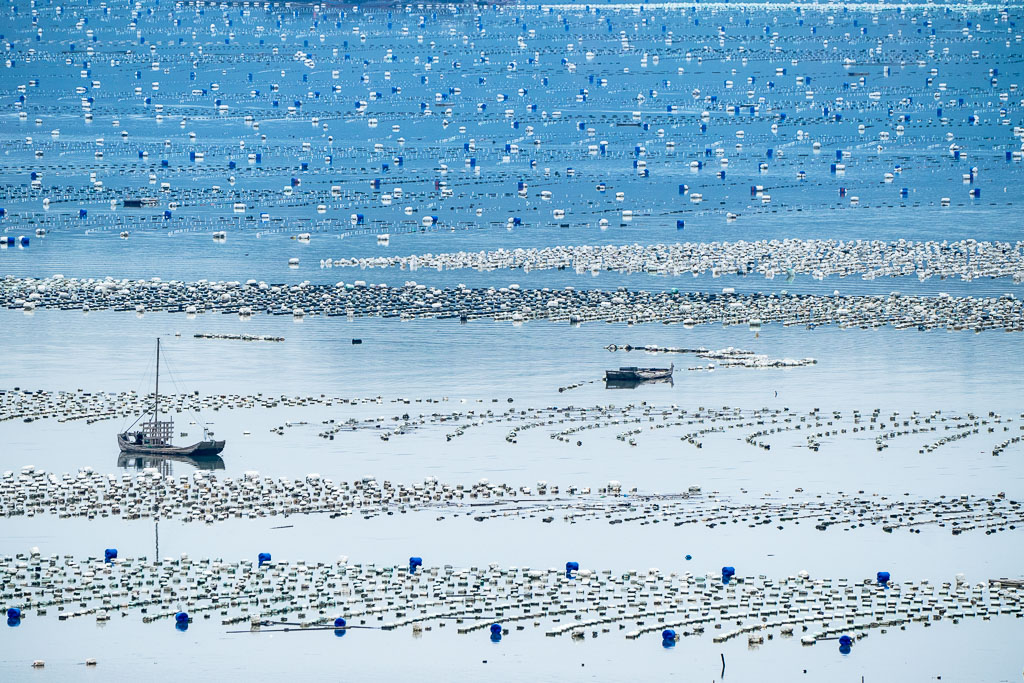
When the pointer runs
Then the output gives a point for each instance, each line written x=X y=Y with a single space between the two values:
x=870 y=259
x=566 y=424
x=206 y=498
x=213 y=595
x=513 y=303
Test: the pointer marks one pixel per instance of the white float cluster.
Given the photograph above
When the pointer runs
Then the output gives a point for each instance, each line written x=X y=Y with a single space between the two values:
x=515 y=304
x=963 y=259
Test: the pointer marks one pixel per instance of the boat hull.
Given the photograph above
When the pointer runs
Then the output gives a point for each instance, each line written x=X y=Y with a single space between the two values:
x=634 y=383
x=200 y=449
x=637 y=374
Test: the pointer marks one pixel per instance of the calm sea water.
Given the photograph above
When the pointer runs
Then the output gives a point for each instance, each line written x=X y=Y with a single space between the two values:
x=106 y=102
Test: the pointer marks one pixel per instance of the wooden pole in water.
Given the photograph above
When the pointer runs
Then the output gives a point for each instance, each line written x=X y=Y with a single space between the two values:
x=723 y=665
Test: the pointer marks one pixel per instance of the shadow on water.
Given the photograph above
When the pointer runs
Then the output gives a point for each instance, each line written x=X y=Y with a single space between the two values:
x=634 y=383
x=163 y=463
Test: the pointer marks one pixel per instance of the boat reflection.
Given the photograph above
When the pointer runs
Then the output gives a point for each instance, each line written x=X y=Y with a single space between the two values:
x=634 y=383
x=163 y=463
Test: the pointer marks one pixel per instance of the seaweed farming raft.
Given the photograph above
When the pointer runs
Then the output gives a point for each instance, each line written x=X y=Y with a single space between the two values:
x=514 y=304
x=870 y=259
x=206 y=498
x=577 y=602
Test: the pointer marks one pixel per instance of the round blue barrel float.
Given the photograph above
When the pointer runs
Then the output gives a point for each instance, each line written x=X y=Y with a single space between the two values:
x=668 y=638
x=883 y=578
x=262 y=558
x=728 y=572
x=413 y=563
x=24 y=240
x=109 y=554
x=495 y=633
x=340 y=627
x=845 y=644
x=181 y=621
x=571 y=567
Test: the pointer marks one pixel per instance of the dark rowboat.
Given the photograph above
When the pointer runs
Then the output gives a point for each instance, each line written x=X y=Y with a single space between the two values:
x=153 y=438
x=635 y=374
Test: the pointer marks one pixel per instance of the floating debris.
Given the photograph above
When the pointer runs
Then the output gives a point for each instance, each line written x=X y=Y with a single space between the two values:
x=728 y=357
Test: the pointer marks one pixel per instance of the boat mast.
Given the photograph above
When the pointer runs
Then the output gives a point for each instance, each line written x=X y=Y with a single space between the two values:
x=156 y=397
